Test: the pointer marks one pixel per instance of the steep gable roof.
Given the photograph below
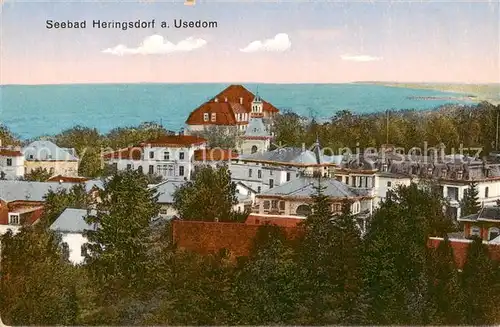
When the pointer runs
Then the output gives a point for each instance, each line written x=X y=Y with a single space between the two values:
x=238 y=93
x=223 y=114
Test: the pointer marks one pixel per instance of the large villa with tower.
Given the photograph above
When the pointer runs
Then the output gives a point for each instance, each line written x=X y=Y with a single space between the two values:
x=235 y=106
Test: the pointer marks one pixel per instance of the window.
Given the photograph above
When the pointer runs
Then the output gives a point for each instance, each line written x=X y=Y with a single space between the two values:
x=205 y=116
x=151 y=169
x=31 y=156
x=258 y=189
x=288 y=177
x=274 y=204
x=282 y=205
x=13 y=219
x=271 y=183
x=214 y=117
x=181 y=156
x=9 y=162
x=166 y=155
x=486 y=192
x=347 y=180
x=266 y=204
x=303 y=210
x=139 y=169
x=271 y=172
x=254 y=148
x=259 y=173
x=151 y=155
x=65 y=250
x=163 y=211
x=475 y=231
x=129 y=166
x=493 y=233
x=181 y=170
x=389 y=184
x=250 y=173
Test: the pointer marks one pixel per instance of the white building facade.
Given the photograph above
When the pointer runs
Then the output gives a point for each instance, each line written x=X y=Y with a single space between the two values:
x=11 y=164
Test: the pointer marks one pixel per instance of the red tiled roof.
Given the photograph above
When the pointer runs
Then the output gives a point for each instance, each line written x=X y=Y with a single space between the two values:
x=255 y=219
x=233 y=93
x=176 y=141
x=67 y=179
x=214 y=155
x=211 y=237
x=131 y=153
x=233 y=100
x=10 y=153
x=223 y=114
x=30 y=211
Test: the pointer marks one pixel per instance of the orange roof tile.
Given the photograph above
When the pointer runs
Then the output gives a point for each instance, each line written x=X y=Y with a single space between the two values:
x=214 y=155
x=233 y=100
x=234 y=93
x=223 y=114
x=10 y=153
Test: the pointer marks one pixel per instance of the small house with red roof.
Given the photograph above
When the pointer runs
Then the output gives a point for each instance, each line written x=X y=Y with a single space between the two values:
x=234 y=106
x=170 y=156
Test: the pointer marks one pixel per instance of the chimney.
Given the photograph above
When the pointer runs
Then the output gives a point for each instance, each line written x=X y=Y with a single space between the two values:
x=216 y=100
x=241 y=100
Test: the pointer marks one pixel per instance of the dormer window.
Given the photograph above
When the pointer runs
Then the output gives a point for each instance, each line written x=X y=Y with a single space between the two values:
x=460 y=174
x=443 y=173
x=429 y=170
x=384 y=167
x=214 y=117
x=205 y=117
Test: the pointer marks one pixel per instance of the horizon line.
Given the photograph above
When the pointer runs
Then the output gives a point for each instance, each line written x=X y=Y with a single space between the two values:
x=255 y=82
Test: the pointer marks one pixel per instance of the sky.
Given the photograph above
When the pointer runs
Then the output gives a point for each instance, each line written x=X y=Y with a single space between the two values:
x=265 y=42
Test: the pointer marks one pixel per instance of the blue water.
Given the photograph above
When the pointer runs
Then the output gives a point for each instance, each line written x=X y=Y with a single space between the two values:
x=31 y=111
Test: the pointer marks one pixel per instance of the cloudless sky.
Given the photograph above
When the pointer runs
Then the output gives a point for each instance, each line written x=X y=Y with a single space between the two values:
x=427 y=41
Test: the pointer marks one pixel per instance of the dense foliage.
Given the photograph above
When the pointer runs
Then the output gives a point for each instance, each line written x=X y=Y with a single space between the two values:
x=453 y=125
x=330 y=274
x=209 y=196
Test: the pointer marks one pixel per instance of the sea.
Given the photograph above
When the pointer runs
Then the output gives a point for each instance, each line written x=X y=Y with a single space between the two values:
x=30 y=111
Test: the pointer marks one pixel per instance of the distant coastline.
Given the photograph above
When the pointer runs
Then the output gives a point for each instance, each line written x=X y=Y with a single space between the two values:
x=470 y=92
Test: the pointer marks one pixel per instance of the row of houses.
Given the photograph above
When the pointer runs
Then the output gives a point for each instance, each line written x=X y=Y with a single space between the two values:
x=274 y=185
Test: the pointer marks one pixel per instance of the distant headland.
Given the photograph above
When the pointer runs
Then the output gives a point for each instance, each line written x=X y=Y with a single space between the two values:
x=471 y=92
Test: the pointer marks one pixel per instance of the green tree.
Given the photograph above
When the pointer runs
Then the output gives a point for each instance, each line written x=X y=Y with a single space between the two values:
x=396 y=255
x=265 y=284
x=35 y=283
x=329 y=266
x=38 y=175
x=480 y=285
x=470 y=202
x=57 y=201
x=209 y=196
x=117 y=252
x=289 y=129
x=444 y=286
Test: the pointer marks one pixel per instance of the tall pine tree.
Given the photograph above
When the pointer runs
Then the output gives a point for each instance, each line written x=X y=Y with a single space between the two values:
x=480 y=285
x=117 y=252
x=470 y=202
